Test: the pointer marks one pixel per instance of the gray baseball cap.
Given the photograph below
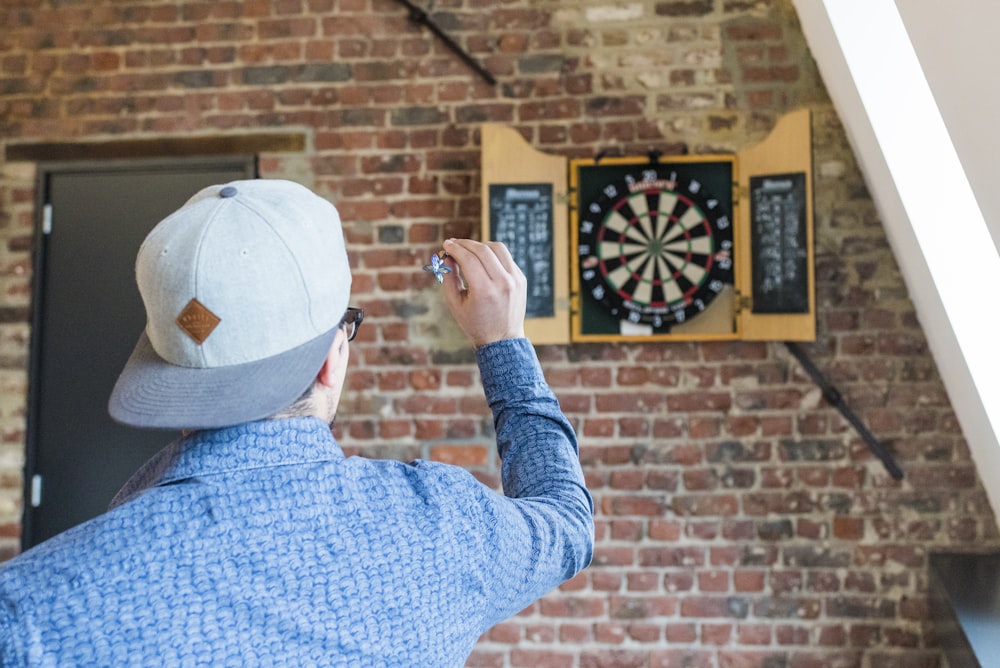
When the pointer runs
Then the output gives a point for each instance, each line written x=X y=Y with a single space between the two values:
x=244 y=288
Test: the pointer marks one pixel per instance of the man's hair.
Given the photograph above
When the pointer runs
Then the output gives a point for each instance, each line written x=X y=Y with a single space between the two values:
x=304 y=406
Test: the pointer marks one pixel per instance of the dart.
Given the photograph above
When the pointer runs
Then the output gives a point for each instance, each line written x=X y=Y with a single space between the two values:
x=437 y=266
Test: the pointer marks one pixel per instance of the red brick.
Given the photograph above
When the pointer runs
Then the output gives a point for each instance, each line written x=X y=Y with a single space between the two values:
x=662 y=480
x=603 y=581
x=678 y=582
x=610 y=633
x=749 y=581
x=633 y=505
x=572 y=607
x=428 y=429
x=671 y=556
x=595 y=377
x=716 y=634
x=630 y=402
x=598 y=428
x=393 y=429
x=681 y=658
x=700 y=480
x=664 y=530
x=713 y=581
x=540 y=633
x=645 y=581
x=705 y=504
x=633 y=427
x=713 y=606
x=540 y=659
x=848 y=528
x=575 y=634
x=460 y=455
x=754 y=634
x=702 y=530
x=612 y=659
x=613 y=556
x=643 y=633
x=681 y=633
x=628 y=480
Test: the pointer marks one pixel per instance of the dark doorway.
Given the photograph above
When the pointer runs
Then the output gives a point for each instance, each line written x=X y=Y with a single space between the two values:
x=87 y=317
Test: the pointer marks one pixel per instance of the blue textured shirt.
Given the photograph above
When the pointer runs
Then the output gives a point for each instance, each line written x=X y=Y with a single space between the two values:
x=261 y=544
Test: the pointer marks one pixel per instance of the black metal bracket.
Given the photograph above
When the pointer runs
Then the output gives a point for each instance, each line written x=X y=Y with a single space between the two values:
x=835 y=399
x=419 y=16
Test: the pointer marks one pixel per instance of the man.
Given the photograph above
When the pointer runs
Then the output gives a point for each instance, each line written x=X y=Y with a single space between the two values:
x=252 y=540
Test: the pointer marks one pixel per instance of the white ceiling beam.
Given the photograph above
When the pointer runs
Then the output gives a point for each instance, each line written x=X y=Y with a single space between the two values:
x=934 y=223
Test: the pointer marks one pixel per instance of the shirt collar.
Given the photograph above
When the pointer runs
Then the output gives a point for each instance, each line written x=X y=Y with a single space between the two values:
x=242 y=447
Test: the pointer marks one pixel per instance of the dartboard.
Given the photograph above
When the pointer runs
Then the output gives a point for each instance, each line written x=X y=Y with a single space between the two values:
x=654 y=248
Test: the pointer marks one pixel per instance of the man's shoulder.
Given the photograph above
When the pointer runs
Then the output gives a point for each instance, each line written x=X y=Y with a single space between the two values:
x=443 y=475
x=69 y=558
x=31 y=580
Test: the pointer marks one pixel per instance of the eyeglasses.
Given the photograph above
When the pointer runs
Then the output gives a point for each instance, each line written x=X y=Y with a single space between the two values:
x=352 y=322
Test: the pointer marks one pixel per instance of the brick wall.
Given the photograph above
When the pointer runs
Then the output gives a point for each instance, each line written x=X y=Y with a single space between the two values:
x=741 y=521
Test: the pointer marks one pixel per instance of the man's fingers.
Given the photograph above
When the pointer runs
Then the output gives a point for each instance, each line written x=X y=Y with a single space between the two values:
x=453 y=284
x=494 y=256
x=462 y=253
x=477 y=260
x=503 y=255
x=487 y=292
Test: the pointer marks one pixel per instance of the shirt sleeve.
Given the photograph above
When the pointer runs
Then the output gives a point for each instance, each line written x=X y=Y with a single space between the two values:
x=9 y=655
x=544 y=533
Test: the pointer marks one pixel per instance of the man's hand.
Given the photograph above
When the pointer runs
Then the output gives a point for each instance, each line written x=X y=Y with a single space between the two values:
x=486 y=293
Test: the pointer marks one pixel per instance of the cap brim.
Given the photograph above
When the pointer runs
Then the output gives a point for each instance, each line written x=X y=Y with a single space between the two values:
x=153 y=393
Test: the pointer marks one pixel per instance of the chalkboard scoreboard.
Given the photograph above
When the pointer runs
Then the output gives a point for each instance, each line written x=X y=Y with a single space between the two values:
x=779 y=245
x=521 y=216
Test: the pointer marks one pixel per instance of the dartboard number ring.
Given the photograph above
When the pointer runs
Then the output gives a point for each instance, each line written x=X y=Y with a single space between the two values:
x=654 y=248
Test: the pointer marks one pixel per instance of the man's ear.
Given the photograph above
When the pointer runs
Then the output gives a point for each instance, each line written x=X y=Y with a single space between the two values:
x=328 y=374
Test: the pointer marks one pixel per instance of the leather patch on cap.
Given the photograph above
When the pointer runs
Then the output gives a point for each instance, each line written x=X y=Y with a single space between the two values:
x=197 y=321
